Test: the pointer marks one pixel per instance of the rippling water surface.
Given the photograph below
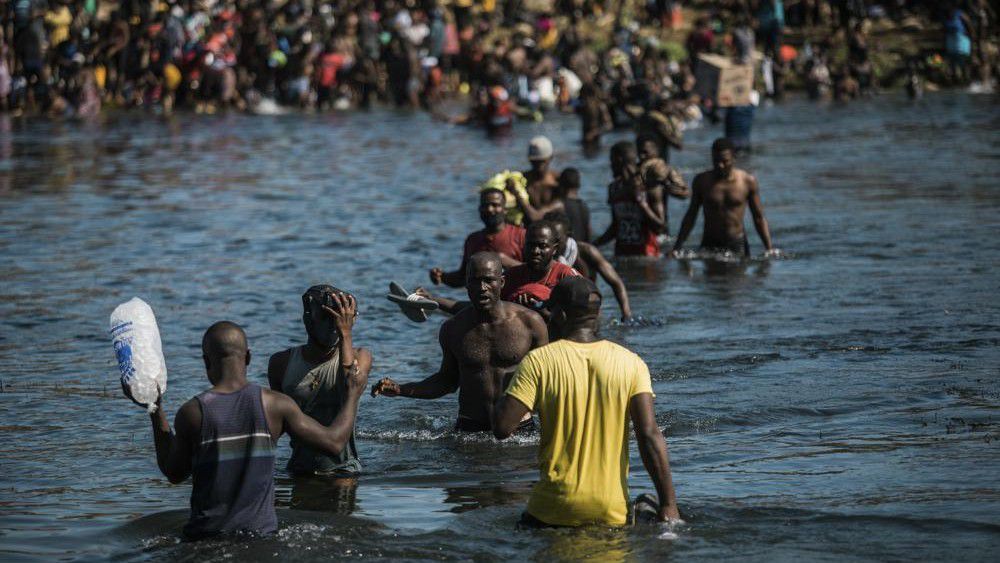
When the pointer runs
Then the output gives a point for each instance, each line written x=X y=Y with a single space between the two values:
x=839 y=403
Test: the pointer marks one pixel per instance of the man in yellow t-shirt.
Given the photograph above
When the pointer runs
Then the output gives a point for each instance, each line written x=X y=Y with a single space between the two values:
x=585 y=391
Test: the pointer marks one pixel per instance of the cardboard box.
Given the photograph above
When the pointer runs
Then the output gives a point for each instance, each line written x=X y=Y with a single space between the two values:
x=720 y=79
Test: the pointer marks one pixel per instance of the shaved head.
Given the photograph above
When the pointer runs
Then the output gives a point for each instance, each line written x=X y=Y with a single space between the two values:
x=224 y=339
x=485 y=261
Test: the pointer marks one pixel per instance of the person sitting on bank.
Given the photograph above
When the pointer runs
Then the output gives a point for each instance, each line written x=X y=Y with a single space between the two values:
x=585 y=391
x=226 y=436
x=313 y=376
x=497 y=236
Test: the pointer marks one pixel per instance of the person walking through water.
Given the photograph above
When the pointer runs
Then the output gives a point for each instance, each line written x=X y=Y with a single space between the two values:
x=725 y=192
x=313 y=376
x=226 y=436
x=481 y=347
x=585 y=390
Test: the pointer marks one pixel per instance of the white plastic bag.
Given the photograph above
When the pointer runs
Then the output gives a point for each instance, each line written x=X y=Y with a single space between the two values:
x=136 y=340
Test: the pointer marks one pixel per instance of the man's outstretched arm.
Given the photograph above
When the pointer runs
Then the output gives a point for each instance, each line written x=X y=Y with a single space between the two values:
x=443 y=382
x=653 y=450
x=596 y=261
x=507 y=415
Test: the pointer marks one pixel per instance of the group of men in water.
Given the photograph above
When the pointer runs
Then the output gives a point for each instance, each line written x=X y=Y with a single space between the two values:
x=526 y=341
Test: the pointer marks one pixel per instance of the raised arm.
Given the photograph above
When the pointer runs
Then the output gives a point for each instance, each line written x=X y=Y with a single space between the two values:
x=653 y=450
x=690 y=218
x=174 y=450
x=609 y=234
x=537 y=213
x=596 y=261
x=757 y=210
x=334 y=437
x=676 y=186
x=443 y=382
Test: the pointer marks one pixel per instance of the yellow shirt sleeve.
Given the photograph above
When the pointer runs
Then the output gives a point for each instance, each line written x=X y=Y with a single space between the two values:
x=524 y=385
x=641 y=380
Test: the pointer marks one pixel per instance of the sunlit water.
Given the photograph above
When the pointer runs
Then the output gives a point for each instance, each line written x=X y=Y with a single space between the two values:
x=838 y=403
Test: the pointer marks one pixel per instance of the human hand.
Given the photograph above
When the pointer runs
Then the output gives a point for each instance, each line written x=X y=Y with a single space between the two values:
x=774 y=253
x=386 y=386
x=423 y=293
x=344 y=309
x=437 y=276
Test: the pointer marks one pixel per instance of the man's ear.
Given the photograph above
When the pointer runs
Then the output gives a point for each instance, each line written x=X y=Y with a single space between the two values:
x=248 y=357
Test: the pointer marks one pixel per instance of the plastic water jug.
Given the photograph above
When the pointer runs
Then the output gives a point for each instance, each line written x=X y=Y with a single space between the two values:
x=136 y=339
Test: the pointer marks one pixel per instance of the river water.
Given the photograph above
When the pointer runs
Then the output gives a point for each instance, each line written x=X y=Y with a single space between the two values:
x=840 y=403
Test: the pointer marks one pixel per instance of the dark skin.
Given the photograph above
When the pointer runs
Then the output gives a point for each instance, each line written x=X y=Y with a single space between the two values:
x=724 y=193
x=542 y=182
x=581 y=326
x=320 y=321
x=649 y=199
x=481 y=346
x=596 y=262
x=226 y=357
x=540 y=246
x=493 y=212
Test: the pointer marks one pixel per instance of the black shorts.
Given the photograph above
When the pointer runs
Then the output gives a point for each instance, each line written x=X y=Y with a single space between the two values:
x=739 y=246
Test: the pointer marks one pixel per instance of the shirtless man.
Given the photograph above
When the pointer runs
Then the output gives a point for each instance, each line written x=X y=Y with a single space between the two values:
x=481 y=347
x=724 y=193
x=542 y=181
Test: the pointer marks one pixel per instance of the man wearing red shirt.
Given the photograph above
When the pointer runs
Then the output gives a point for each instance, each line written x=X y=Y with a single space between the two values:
x=498 y=236
x=531 y=283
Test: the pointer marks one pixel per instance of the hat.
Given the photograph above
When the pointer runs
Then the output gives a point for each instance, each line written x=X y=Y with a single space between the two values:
x=540 y=148
x=573 y=293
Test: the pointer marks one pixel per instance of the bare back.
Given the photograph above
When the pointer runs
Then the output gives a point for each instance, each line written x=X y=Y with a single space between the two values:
x=488 y=352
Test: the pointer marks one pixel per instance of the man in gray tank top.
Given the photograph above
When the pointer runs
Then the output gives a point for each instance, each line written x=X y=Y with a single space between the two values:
x=225 y=437
x=313 y=376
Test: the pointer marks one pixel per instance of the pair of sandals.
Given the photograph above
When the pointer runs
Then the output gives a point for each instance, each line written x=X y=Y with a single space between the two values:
x=414 y=306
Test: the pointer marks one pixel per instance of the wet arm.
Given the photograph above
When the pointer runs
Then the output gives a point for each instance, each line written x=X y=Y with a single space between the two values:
x=676 y=186
x=598 y=262
x=653 y=450
x=757 y=210
x=174 y=450
x=455 y=278
x=443 y=382
x=652 y=208
x=690 y=218
x=507 y=415
x=276 y=370
x=536 y=213
x=332 y=438
x=609 y=233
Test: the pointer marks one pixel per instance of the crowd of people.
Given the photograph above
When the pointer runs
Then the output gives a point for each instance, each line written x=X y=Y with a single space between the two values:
x=525 y=342
x=608 y=61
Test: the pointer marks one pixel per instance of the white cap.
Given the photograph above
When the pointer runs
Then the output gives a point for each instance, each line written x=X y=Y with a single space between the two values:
x=540 y=148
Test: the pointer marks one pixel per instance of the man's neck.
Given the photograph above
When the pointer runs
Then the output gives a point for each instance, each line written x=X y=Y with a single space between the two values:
x=582 y=335
x=315 y=352
x=232 y=379
x=495 y=230
x=536 y=275
x=493 y=313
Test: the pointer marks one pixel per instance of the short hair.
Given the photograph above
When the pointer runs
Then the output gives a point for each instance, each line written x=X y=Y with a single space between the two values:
x=536 y=226
x=224 y=339
x=645 y=138
x=623 y=149
x=485 y=191
x=558 y=218
x=722 y=144
x=570 y=178
x=484 y=257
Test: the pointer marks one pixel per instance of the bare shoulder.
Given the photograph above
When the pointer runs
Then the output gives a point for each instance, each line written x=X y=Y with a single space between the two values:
x=523 y=315
x=275 y=400
x=701 y=179
x=188 y=419
x=746 y=178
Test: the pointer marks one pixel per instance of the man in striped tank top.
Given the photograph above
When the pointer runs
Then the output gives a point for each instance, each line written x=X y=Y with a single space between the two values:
x=225 y=437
